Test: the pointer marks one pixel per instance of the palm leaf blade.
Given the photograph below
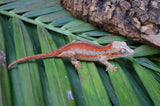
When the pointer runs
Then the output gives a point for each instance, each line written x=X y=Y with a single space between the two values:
x=42 y=11
x=149 y=82
x=6 y=1
x=5 y=92
x=23 y=47
x=52 y=16
x=15 y=4
x=149 y=64
x=34 y=6
x=145 y=50
x=126 y=91
x=90 y=86
x=59 y=91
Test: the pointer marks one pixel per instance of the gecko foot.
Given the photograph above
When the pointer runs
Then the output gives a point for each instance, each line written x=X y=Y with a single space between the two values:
x=111 y=67
x=77 y=64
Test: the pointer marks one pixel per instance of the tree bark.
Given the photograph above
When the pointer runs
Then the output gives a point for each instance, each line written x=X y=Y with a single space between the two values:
x=135 y=19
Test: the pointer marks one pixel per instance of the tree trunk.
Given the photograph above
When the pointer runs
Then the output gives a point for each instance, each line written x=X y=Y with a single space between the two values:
x=135 y=19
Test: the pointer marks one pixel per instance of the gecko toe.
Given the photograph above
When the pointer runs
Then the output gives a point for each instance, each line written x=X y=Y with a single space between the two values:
x=111 y=67
x=78 y=64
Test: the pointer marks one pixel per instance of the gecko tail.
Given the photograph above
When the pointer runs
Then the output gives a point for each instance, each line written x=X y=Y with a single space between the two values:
x=38 y=56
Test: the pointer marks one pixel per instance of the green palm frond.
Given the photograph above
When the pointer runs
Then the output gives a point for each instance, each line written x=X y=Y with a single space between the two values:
x=30 y=27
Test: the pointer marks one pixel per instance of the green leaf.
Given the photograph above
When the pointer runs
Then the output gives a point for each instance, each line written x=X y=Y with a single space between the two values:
x=96 y=33
x=147 y=63
x=59 y=85
x=108 y=39
x=34 y=6
x=6 y=1
x=42 y=11
x=108 y=85
x=123 y=89
x=145 y=50
x=151 y=85
x=94 y=90
x=53 y=16
x=76 y=26
x=27 y=72
x=15 y=4
x=10 y=55
x=135 y=81
x=5 y=92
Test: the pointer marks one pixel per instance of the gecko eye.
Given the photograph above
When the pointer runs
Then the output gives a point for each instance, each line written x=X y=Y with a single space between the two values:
x=123 y=50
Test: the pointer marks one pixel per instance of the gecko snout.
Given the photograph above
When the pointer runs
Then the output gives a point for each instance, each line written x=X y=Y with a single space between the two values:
x=131 y=52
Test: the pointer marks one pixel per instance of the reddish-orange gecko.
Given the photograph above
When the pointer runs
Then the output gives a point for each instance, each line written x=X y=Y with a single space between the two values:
x=81 y=50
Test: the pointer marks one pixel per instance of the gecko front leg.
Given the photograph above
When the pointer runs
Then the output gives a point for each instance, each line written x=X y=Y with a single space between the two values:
x=111 y=67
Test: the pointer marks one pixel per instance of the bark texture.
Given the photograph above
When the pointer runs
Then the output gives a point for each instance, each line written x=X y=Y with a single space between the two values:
x=136 y=19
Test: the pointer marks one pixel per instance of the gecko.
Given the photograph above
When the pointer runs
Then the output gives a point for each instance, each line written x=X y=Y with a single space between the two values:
x=85 y=51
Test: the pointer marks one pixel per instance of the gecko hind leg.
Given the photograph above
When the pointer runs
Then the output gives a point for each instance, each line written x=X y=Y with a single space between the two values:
x=72 y=55
x=75 y=62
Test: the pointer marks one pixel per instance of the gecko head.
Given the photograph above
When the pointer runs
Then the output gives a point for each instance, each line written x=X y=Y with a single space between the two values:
x=120 y=49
